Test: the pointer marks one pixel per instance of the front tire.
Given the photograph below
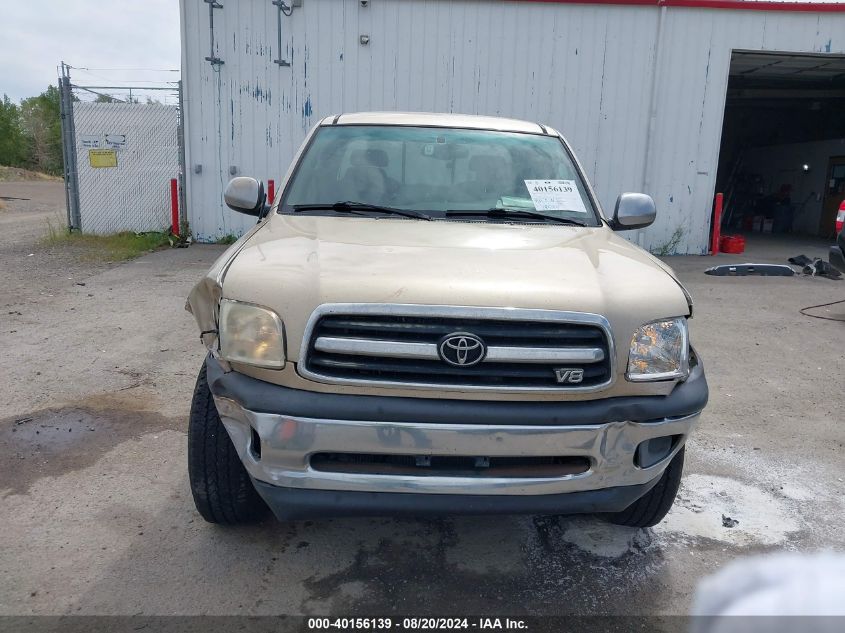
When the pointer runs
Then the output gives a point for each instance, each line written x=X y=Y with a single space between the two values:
x=650 y=509
x=222 y=490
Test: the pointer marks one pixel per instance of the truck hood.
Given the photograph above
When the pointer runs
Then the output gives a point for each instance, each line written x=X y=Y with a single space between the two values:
x=294 y=263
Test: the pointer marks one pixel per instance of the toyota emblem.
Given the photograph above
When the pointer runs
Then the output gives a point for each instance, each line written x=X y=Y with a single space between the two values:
x=462 y=349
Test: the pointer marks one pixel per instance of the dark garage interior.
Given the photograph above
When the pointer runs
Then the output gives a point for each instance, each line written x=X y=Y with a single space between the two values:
x=782 y=155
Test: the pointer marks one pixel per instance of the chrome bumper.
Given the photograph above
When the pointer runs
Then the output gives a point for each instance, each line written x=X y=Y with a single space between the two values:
x=287 y=443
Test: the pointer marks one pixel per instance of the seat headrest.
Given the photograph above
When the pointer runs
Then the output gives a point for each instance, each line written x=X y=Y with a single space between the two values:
x=374 y=157
x=485 y=163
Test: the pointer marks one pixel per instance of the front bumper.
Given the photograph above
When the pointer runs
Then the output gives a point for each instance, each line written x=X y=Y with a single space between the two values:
x=296 y=504
x=604 y=432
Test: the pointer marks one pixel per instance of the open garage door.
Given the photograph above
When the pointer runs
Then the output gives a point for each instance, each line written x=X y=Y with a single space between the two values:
x=782 y=156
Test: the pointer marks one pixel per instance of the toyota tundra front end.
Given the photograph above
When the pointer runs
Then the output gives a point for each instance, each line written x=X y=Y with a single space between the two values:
x=435 y=316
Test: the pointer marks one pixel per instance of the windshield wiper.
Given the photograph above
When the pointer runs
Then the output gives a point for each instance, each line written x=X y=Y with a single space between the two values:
x=361 y=208
x=513 y=213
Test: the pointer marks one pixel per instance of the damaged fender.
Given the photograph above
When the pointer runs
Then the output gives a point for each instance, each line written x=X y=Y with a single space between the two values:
x=204 y=298
x=202 y=303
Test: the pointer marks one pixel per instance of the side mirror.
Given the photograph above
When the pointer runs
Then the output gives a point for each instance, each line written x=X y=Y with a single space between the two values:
x=245 y=195
x=633 y=211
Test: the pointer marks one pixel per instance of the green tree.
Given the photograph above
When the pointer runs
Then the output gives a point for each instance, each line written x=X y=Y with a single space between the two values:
x=13 y=143
x=41 y=122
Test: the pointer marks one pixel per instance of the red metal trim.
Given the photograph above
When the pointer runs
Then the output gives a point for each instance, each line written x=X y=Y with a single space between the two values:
x=174 y=206
x=736 y=5
x=717 y=224
x=754 y=5
x=641 y=3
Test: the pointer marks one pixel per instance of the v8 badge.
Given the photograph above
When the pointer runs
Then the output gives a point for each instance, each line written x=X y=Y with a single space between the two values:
x=569 y=376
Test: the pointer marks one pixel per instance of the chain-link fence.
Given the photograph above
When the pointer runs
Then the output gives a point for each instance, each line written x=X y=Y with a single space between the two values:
x=120 y=157
x=127 y=155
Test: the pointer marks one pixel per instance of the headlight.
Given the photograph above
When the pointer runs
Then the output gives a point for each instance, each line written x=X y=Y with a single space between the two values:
x=659 y=351
x=251 y=334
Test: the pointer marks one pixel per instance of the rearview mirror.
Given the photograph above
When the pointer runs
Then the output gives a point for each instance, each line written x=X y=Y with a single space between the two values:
x=633 y=211
x=245 y=195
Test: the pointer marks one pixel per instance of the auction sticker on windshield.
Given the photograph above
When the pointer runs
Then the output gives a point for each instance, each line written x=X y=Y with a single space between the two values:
x=555 y=195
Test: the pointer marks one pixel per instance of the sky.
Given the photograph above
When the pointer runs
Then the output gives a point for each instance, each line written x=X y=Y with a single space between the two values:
x=35 y=35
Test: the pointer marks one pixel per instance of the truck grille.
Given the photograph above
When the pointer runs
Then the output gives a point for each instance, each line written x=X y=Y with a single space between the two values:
x=407 y=349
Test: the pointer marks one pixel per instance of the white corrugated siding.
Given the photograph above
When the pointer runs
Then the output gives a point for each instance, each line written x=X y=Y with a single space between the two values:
x=587 y=70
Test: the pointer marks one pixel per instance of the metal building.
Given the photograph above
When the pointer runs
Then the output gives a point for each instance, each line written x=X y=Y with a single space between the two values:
x=639 y=87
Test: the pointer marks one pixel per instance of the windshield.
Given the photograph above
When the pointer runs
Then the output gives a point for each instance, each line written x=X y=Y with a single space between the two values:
x=440 y=172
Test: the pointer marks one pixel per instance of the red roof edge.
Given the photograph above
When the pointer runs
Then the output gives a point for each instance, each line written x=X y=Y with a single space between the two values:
x=758 y=5
x=737 y=5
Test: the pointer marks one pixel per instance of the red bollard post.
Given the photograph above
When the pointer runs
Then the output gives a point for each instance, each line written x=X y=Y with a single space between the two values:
x=717 y=225
x=174 y=206
x=271 y=191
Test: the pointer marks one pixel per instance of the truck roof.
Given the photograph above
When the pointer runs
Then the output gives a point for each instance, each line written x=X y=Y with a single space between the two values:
x=431 y=119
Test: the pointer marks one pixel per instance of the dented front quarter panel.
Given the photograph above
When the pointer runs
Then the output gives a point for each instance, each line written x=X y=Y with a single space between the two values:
x=202 y=304
x=204 y=298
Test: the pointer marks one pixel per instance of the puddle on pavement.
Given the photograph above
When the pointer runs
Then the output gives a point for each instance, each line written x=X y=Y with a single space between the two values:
x=463 y=565
x=576 y=564
x=50 y=442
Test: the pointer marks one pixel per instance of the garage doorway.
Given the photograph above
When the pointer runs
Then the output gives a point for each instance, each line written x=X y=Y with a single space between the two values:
x=782 y=154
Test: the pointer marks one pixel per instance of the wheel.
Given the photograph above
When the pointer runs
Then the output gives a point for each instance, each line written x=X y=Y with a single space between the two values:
x=650 y=509
x=220 y=485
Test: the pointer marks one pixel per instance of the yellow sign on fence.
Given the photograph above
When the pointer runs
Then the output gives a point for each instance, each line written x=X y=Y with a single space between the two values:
x=102 y=157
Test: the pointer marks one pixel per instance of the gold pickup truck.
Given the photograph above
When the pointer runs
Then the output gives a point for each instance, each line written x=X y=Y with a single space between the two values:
x=435 y=316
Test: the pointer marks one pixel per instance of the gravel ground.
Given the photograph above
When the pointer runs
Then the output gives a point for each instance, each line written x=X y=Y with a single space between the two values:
x=96 y=515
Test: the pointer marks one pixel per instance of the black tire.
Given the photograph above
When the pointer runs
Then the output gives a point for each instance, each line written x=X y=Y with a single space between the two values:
x=650 y=509
x=222 y=490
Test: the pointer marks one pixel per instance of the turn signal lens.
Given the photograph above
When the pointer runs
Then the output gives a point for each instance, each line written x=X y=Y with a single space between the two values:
x=659 y=351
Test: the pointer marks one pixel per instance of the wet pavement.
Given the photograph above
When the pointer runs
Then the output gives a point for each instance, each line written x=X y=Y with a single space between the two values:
x=52 y=442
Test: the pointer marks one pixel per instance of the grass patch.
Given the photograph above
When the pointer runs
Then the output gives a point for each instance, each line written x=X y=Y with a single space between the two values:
x=107 y=248
x=669 y=247
x=227 y=239
x=8 y=174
